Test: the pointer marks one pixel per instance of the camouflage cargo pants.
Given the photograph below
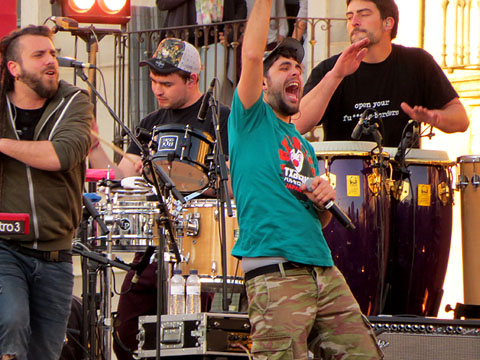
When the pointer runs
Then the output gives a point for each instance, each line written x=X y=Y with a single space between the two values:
x=307 y=305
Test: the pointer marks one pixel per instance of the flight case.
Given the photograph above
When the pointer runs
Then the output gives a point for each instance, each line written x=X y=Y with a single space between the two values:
x=225 y=334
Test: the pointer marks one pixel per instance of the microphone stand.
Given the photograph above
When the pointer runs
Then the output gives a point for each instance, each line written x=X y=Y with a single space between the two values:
x=89 y=282
x=158 y=176
x=371 y=127
x=223 y=196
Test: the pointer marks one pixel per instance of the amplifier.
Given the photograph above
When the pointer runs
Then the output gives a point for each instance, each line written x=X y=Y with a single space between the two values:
x=226 y=334
x=422 y=338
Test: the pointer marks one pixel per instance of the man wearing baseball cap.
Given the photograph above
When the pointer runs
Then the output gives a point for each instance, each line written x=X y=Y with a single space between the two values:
x=174 y=73
x=295 y=293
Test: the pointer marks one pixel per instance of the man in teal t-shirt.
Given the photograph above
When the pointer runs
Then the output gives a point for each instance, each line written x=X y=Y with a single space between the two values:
x=295 y=294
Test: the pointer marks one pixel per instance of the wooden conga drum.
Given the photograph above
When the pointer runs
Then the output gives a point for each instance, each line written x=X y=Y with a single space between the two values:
x=468 y=184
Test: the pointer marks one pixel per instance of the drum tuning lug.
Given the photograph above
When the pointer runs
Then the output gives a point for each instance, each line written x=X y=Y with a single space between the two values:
x=331 y=178
x=475 y=180
x=374 y=183
x=462 y=182
x=193 y=226
x=443 y=193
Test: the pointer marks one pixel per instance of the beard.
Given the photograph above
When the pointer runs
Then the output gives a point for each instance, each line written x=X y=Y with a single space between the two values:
x=358 y=34
x=45 y=89
x=276 y=101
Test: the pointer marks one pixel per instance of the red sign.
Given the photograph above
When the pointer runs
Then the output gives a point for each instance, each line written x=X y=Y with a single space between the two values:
x=8 y=17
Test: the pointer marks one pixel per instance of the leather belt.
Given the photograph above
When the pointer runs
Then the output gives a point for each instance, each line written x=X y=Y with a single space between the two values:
x=52 y=256
x=267 y=269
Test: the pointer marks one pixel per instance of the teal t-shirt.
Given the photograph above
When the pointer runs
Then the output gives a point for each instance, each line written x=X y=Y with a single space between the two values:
x=269 y=162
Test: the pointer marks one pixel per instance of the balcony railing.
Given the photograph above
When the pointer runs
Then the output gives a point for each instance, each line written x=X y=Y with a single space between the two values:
x=220 y=59
x=460 y=37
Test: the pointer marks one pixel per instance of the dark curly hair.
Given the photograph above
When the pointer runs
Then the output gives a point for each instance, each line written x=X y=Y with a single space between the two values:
x=288 y=53
x=387 y=8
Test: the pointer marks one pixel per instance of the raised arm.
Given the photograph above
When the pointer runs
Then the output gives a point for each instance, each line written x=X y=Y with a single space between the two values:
x=251 y=80
x=314 y=103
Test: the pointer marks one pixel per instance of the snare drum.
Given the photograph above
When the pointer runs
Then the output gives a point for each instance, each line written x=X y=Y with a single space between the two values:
x=183 y=153
x=200 y=244
x=468 y=184
x=133 y=221
x=358 y=179
x=421 y=229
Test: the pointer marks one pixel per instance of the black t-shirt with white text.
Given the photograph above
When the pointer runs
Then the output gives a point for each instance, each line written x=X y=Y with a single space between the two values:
x=408 y=75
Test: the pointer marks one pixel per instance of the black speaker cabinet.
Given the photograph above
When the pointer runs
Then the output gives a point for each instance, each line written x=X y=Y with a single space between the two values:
x=419 y=338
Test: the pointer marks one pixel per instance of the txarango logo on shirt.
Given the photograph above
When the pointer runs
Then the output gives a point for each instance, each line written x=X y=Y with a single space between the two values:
x=296 y=164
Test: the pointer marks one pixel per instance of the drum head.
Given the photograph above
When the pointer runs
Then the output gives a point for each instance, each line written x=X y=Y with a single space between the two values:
x=186 y=177
x=183 y=153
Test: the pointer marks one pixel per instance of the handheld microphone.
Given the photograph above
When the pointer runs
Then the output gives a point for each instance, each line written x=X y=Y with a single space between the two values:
x=334 y=209
x=202 y=113
x=142 y=264
x=71 y=62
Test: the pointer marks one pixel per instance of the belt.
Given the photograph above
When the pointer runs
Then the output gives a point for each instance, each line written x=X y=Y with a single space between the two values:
x=262 y=270
x=53 y=256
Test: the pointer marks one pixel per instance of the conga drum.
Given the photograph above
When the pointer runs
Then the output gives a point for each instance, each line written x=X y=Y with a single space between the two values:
x=468 y=182
x=421 y=229
x=358 y=177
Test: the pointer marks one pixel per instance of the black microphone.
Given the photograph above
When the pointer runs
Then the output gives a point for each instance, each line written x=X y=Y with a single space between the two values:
x=202 y=113
x=71 y=62
x=143 y=263
x=334 y=209
x=362 y=123
x=94 y=214
x=407 y=141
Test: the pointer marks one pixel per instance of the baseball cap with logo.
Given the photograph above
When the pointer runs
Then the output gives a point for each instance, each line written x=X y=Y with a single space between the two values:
x=174 y=54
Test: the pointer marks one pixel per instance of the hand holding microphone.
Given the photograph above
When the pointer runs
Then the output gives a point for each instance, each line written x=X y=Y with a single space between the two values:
x=332 y=207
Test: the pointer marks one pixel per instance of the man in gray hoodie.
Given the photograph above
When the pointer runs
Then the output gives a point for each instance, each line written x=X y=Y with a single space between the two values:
x=44 y=140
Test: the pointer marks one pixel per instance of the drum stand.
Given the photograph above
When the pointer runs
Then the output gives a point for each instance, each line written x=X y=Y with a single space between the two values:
x=163 y=186
x=223 y=196
x=89 y=292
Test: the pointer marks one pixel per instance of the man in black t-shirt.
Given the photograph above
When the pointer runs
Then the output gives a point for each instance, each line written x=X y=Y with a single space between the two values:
x=174 y=73
x=396 y=83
